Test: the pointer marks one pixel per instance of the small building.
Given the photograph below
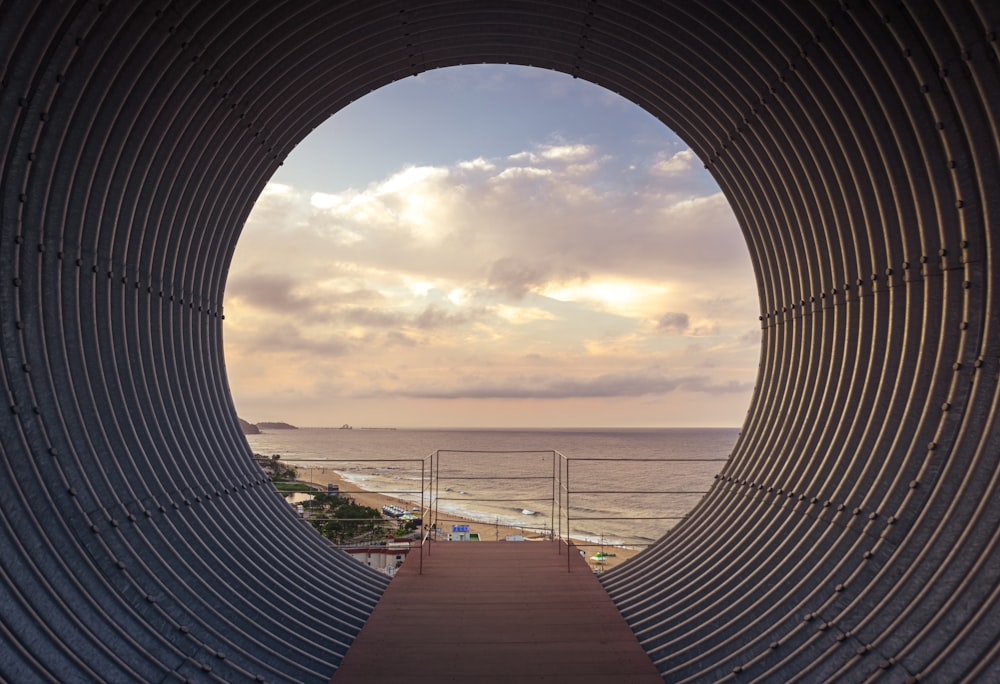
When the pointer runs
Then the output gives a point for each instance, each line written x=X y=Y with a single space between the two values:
x=459 y=533
x=386 y=559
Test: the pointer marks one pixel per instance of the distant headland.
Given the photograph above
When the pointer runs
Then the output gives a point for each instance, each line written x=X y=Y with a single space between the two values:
x=256 y=428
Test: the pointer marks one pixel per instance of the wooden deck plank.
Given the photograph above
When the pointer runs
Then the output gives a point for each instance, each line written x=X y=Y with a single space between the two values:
x=496 y=612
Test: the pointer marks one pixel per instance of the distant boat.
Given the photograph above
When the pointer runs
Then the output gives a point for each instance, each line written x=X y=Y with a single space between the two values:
x=345 y=426
x=525 y=511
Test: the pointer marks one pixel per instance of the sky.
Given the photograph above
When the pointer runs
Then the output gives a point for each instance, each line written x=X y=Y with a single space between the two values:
x=492 y=246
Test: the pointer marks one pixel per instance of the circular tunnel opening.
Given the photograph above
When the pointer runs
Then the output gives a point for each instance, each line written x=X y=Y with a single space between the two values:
x=499 y=248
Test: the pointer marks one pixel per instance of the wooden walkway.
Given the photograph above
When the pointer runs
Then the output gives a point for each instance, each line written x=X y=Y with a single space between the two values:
x=496 y=612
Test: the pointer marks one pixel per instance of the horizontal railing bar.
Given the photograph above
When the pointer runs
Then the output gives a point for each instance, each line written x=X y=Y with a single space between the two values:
x=625 y=491
x=452 y=478
x=310 y=517
x=520 y=498
x=493 y=451
x=650 y=460
x=616 y=517
x=354 y=460
x=349 y=491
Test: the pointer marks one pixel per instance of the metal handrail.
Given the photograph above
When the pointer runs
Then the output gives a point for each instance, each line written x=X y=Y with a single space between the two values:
x=567 y=491
x=561 y=501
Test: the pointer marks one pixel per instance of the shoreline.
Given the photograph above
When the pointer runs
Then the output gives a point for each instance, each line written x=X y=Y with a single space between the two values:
x=324 y=475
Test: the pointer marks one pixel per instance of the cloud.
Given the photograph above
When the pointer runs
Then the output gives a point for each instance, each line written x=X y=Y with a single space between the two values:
x=433 y=317
x=678 y=164
x=275 y=292
x=291 y=341
x=673 y=323
x=557 y=387
x=515 y=277
x=460 y=281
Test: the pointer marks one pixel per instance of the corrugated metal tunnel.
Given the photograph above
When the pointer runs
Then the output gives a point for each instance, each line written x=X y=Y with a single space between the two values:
x=854 y=533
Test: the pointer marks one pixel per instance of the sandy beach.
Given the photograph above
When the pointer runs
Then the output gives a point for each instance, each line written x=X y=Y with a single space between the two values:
x=322 y=476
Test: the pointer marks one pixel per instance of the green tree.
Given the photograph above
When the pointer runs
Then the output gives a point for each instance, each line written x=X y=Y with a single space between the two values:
x=343 y=521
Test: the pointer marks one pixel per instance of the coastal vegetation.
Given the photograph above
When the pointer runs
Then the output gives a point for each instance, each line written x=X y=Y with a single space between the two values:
x=275 y=425
x=343 y=521
x=275 y=470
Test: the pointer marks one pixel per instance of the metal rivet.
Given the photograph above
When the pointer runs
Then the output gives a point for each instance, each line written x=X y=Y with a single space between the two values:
x=956 y=366
x=931 y=446
x=872 y=515
x=914 y=484
x=945 y=406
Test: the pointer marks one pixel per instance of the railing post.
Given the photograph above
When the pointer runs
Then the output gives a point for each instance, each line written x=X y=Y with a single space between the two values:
x=552 y=507
x=569 y=567
x=423 y=512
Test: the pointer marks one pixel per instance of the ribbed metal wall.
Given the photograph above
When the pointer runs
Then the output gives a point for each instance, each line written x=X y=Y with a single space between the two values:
x=854 y=534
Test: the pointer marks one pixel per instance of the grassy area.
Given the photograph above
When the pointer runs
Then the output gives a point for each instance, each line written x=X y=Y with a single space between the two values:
x=291 y=487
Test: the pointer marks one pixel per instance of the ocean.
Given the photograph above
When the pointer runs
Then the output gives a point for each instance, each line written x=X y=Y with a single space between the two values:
x=620 y=486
